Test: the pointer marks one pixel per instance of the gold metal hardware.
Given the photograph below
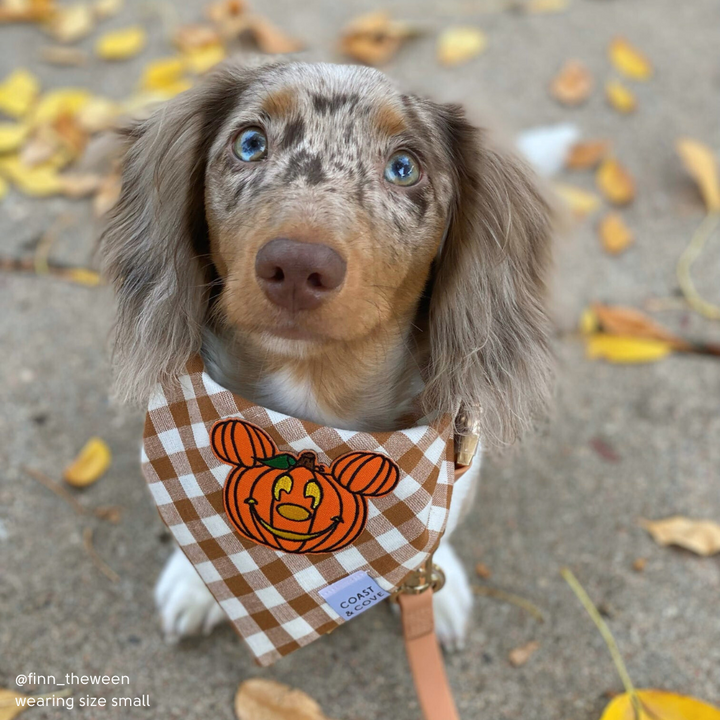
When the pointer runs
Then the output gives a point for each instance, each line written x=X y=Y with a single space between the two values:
x=468 y=437
x=426 y=577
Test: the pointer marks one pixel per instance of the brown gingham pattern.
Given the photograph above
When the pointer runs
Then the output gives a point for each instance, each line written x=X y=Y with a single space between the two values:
x=270 y=596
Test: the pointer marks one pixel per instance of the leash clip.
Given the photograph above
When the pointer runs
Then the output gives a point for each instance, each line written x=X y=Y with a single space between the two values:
x=428 y=576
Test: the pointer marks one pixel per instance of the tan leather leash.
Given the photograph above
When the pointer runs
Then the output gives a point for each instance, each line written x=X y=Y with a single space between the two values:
x=415 y=598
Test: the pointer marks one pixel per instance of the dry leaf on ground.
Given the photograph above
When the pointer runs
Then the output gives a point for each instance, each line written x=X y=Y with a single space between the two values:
x=573 y=84
x=699 y=536
x=12 y=136
x=107 y=8
x=581 y=202
x=26 y=10
x=482 y=571
x=9 y=708
x=92 y=461
x=162 y=73
x=71 y=23
x=374 y=38
x=121 y=44
x=519 y=656
x=65 y=56
x=260 y=699
x=587 y=154
x=629 y=60
x=702 y=164
x=39 y=181
x=614 y=234
x=545 y=6
x=626 y=350
x=457 y=45
x=639 y=564
x=620 y=97
x=615 y=182
x=621 y=320
x=271 y=39
x=659 y=705
x=195 y=36
x=18 y=92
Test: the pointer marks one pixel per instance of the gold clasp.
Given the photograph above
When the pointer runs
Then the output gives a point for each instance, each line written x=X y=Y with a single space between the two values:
x=425 y=577
x=468 y=436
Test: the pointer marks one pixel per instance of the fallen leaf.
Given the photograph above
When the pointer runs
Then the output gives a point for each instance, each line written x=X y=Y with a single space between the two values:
x=98 y=114
x=163 y=73
x=588 y=154
x=699 y=536
x=225 y=11
x=374 y=38
x=483 y=571
x=581 y=202
x=9 y=707
x=620 y=97
x=65 y=56
x=260 y=699
x=520 y=655
x=271 y=39
x=615 y=182
x=614 y=234
x=457 y=45
x=621 y=320
x=195 y=36
x=573 y=84
x=64 y=101
x=702 y=164
x=639 y=564
x=86 y=277
x=26 y=10
x=4 y=188
x=201 y=59
x=660 y=705
x=18 y=92
x=92 y=461
x=626 y=350
x=39 y=181
x=588 y=321
x=106 y=8
x=75 y=185
x=121 y=44
x=12 y=136
x=70 y=23
x=629 y=60
x=545 y=6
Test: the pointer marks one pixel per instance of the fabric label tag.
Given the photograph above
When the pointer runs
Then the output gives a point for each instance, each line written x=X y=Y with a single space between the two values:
x=353 y=595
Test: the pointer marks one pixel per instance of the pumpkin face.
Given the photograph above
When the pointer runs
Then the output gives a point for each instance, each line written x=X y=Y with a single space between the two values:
x=290 y=503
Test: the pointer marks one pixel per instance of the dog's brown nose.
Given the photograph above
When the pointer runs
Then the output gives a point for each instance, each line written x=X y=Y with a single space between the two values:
x=297 y=275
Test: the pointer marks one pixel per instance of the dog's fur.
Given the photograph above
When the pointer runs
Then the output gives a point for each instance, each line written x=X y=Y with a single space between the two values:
x=444 y=292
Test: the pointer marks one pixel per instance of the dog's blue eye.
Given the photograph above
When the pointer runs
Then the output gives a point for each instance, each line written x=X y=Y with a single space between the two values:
x=402 y=169
x=250 y=145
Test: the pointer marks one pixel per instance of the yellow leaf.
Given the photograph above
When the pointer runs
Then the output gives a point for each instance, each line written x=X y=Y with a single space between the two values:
x=660 y=705
x=39 y=181
x=620 y=97
x=629 y=60
x=83 y=276
x=588 y=321
x=586 y=154
x=26 y=10
x=98 y=114
x=70 y=23
x=457 y=45
x=623 y=349
x=373 y=38
x=12 y=136
x=581 y=202
x=272 y=700
x=94 y=459
x=702 y=164
x=546 y=6
x=9 y=707
x=700 y=536
x=121 y=44
x=620 y=320
x=200 y=59
x=573 y=84
x=18 y=92
x=107 y=8
x=65 y=101
x=614 y=234
x=615 y=182
x=4 y=187
x=163 y=73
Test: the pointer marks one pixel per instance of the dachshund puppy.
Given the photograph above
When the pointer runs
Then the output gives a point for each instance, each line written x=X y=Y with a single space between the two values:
x=337 y=251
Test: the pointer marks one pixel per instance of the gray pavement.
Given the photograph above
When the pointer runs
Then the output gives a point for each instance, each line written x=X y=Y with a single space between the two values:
x=552 y=503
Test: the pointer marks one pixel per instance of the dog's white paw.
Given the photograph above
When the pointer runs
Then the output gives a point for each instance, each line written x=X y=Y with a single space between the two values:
x=453 y=604
x=185 y=604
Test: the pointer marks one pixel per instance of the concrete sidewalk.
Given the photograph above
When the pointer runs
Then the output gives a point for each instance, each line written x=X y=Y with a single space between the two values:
x=555 y=502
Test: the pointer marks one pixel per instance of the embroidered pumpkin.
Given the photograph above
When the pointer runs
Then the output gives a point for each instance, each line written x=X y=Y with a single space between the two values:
x=288 y=502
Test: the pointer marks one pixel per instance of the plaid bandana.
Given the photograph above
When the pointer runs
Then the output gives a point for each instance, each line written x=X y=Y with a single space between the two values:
x=271 y=510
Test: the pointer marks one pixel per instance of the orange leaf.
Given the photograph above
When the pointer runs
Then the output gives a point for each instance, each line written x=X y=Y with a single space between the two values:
x=573 y=84
x=92 y=461
x=270 y=39
x=615 y=182
x=614 y=234
x=374 y=38
x=702 y=164
x=584 y=155
x=620 y=320
x=259 y=699
x=520 y=655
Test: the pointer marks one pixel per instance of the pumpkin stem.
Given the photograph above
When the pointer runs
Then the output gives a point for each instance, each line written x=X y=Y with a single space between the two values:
x=307 y=460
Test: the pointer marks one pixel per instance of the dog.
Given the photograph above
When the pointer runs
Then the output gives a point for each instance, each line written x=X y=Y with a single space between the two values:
x=338 y=251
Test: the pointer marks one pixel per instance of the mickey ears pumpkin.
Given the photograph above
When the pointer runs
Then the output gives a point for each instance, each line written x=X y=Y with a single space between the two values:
x=366 y=473
x=239 y=443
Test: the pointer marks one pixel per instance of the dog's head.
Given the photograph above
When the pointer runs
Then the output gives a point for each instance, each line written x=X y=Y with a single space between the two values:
x=305 y=205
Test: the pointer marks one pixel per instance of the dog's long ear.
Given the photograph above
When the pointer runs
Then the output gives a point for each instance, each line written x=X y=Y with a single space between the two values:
x=488 y=326
x=155 y=246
